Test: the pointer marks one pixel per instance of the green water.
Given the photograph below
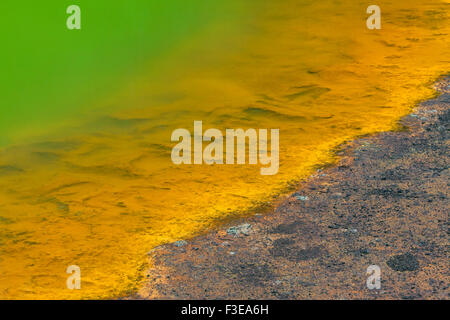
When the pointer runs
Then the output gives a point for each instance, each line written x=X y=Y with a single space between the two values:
x=51 y=74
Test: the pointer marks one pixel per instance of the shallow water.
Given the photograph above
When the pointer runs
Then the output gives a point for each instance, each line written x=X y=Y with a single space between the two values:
x=92 y=184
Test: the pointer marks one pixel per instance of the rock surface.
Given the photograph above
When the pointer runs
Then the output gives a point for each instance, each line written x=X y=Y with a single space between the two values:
x=243 y=229
x=385 y=204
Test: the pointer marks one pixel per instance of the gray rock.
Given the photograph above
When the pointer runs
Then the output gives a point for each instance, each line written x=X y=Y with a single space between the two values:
x=180 y=243
x=244 y=229
x=298 y=196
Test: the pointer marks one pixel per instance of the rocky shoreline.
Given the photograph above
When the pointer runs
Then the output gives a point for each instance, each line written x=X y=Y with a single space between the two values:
x=385 y=204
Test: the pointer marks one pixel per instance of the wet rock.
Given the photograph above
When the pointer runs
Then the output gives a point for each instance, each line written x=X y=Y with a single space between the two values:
x=403 y=262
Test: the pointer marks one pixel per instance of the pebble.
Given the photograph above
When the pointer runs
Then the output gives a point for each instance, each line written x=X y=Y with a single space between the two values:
x=241 y=229
x=337 y=195
x=364 y=251
x=300 y=197
x=180 y=243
